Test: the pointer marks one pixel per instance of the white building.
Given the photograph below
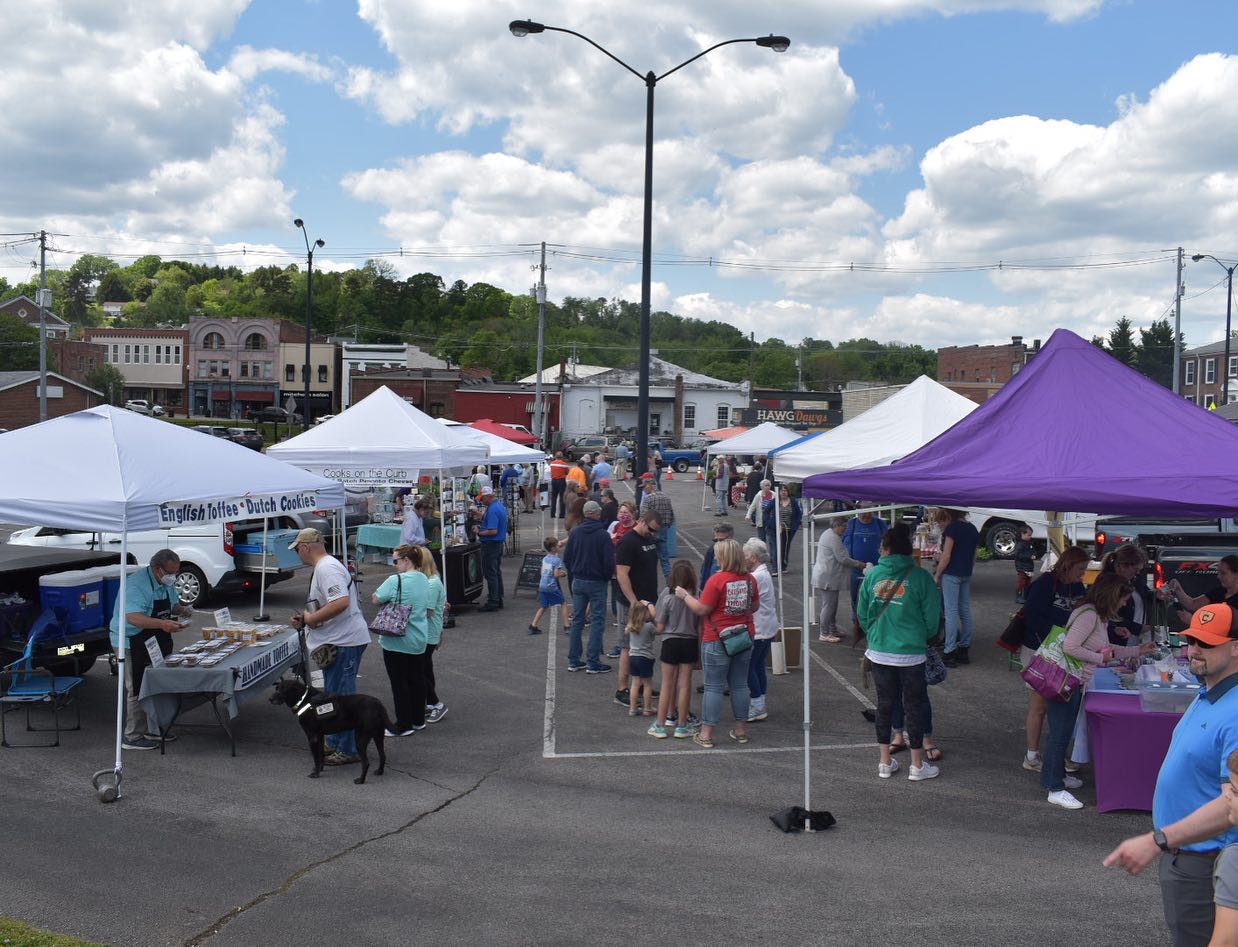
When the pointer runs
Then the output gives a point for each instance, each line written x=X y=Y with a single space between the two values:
x=682 y=403
x=361 y=357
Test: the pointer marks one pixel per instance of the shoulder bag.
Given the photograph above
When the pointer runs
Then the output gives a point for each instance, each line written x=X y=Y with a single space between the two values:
x=735 y=638
x=392 y=619
x=1052 y=673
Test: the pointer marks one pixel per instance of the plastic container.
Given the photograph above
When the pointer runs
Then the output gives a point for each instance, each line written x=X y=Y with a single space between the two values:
x=110 y=575
x=1157 y=696
x=76 y=597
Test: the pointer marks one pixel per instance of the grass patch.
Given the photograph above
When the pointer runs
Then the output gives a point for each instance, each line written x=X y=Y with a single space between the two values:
x=15 y=933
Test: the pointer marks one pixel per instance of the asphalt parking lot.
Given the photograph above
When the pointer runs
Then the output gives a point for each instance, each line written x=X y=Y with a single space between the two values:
x=536 y=811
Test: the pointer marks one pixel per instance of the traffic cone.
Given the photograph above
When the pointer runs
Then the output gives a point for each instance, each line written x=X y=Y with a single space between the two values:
x=670 y=473
x=699 y=474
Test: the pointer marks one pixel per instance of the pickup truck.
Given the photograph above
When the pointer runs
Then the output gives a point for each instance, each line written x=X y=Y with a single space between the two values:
x=1182 y=549
x=591 y=444
x=210 y=561
x=20 y=571
x=999 y=529
x=680 y=459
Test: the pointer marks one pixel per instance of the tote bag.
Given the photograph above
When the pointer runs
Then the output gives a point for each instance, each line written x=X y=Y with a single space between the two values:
x=1052 y=673
x=392 y=619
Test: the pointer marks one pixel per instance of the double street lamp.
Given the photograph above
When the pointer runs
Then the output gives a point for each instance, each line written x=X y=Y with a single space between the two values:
x=778 y=44
x=309 y=314
x=1229 y=302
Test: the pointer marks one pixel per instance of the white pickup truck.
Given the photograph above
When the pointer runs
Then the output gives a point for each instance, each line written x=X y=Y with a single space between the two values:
x=210 y=561
x=999 y=529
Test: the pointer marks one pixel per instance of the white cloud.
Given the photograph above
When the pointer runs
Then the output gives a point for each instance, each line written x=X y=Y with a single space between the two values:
x=247 y=62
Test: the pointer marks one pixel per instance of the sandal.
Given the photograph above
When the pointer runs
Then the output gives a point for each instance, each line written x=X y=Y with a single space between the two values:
x=701 y=741
x=740 y=738
x=932 y=753
x=897 y=747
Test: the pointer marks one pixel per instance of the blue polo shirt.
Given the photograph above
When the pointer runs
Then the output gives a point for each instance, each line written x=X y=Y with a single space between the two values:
x=1194 y=768
x=495 y=517
x=141 y=593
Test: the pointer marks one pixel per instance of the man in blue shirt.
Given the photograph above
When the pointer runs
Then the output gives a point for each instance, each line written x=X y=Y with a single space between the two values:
x=151 y=602
x=1190 y=813
x=493 y=536
x=863 y=541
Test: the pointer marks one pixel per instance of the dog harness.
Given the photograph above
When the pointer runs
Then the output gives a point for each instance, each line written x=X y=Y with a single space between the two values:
x=303 y=705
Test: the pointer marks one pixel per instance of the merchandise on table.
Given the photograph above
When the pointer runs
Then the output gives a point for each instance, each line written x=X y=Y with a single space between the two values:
x=1160 y=696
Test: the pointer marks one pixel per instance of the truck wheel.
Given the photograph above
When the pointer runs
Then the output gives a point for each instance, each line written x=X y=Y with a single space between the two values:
x=681 y=466
x=1001 y=539
x=191 y=585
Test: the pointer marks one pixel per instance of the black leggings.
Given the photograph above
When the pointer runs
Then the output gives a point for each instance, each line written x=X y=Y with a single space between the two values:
x=428 y=665
x=909 y=681
x=408 y=688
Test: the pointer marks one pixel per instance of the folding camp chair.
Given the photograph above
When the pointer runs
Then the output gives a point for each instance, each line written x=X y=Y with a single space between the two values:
x=21 y=683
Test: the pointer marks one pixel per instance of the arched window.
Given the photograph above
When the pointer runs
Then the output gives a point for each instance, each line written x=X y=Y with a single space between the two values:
x=256 y=342
x=213 y=340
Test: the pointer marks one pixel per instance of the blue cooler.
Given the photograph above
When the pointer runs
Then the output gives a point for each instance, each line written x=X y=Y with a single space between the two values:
x=76 y=597
x=111 y=587
x=277 y=548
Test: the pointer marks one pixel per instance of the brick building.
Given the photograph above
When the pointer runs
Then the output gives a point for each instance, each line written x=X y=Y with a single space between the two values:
x=153 y=362
x=19 y=397
x=431 y=390
x=1200 y=380
x=27 y=310
x=506 y=404
x=987 y=364
x=75 y=358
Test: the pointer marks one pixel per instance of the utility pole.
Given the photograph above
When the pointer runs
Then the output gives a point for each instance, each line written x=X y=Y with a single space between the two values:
x=42 y=300
x=1178 y=323
x=539 y=419
x=799 y=366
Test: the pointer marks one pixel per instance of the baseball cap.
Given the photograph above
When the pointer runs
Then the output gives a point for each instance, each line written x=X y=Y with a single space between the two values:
x=603 y=482
x=646 y=476
x=1212 y=624
x=307 y=535
x=591 y=507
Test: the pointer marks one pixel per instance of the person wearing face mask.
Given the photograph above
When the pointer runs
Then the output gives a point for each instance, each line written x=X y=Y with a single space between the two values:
x=150 y=603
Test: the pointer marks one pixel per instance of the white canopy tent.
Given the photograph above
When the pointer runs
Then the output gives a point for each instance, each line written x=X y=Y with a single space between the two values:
x=761 y=439
x=904 y=422
x=111 y=470
x=383 y=441
x=502 y=451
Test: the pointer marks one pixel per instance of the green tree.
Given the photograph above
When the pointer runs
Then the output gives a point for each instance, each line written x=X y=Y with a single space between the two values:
x=1121 y=342
x=19 y=345
x=83 y=274
x=107 y=379
x=113 y=288
x=1155 y=357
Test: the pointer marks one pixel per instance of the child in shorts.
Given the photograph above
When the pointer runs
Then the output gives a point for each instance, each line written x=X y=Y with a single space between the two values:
x=641 y=632
x=1024 y=562
x=1225 y=871
x=680 y=628
x=549 y=594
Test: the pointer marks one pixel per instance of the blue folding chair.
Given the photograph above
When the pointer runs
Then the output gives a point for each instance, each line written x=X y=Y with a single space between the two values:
x=21 y=683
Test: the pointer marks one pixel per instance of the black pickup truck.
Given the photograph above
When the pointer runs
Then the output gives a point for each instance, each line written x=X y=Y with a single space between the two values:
x=1182 y=549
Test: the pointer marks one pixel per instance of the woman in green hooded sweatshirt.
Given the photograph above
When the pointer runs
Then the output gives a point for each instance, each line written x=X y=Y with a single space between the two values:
x=899 y=607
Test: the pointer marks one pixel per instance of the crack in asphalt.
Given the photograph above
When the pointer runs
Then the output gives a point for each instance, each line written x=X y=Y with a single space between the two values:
x=220 y=923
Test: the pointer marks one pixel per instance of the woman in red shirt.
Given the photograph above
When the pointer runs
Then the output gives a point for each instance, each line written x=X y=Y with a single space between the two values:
x=728 y=600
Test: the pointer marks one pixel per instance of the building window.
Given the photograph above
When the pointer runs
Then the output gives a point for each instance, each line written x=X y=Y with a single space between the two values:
x=1014 y=368
x=1189 y=374
x=90 y=363
x=255 y=342
x=689 y=417
x=724 y=415
x=1233 y=366
x=1210 y=371
x=201 y=369
x=290 y=373
x=322 y=380
x=213 y=340
x=176 y=354
x=214 y=367
x=115 y=359
x=244 y=374
x=127 y=354
x=266 y=370
x=145 y=354
x=225 y=369
x=81 y=367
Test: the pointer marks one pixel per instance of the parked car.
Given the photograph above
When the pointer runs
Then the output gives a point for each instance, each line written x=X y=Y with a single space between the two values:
x=275 y=414
x=142 y=406
x=246 y=437
x=591 y=444
x=323 y=417
x=215 y=430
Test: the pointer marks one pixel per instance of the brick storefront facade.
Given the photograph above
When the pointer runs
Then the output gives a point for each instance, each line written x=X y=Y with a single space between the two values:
x=990 y=364
x=19 y=398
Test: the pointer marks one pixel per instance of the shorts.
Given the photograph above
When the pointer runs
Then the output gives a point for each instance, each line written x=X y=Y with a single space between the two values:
x=681 y=651
x=549 y=598
x=640 y=667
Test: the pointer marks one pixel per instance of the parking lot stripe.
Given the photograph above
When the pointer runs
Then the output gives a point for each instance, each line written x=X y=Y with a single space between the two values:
x=548 y=726
x=857 y=694
x=602 y=754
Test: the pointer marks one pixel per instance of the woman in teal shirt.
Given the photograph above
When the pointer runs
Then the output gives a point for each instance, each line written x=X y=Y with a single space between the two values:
x=435 y=708
x=404 y=656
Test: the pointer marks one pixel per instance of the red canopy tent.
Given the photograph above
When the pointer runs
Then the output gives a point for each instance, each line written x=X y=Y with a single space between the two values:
x=503 y=431
x=722 y=433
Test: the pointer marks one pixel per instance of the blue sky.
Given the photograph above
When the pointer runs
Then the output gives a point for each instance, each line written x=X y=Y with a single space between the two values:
x=940 y=131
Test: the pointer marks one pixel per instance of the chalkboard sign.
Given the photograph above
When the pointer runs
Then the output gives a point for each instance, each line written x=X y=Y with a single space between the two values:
x=530 y=571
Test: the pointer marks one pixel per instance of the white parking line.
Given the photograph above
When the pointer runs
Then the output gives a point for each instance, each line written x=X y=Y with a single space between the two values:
x=702 y=752
x=548 y=726
x=857 y=694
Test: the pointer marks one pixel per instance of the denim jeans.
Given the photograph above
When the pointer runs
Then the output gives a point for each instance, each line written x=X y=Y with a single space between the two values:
x=492 y=569
x=341 y=678
x=909 y=681
x=587 y=595
x=722 y=499
x=956 y=594
x=662 y=538
x=723 y=670
x=757 y=683
x=1061 y=715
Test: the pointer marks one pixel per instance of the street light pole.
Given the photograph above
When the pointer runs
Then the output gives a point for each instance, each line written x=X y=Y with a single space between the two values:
x=778 y=44
x=309 y=315
x=1229 y=305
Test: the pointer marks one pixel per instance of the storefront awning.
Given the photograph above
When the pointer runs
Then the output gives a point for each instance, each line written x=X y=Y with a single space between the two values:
x=266 y=397
x=224 y=395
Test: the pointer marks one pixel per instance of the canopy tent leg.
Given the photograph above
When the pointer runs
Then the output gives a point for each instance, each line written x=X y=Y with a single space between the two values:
x=108 y=790
x=442 y=537
x=262 y=583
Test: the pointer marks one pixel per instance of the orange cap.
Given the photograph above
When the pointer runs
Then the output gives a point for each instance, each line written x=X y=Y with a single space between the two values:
x=1212 y=624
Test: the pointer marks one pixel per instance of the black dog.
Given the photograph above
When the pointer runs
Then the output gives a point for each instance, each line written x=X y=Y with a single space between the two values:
x=321 y=713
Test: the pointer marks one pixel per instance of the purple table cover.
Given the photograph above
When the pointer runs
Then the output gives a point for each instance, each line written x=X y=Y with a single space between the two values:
x=1128 y=747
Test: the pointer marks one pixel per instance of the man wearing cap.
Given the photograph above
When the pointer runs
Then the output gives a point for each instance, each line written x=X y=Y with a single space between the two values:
x=1190 y=814
x=590 y=561
x=493 y=536
x=655 y=501
x=333 y=617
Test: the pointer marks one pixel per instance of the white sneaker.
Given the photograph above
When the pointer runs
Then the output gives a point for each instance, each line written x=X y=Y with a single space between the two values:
x=757 y=713
x=886 y=770
x=1072 y=782
x=1071 y=766
x=1031 y=765
x=927 y=771
x=1064 y=799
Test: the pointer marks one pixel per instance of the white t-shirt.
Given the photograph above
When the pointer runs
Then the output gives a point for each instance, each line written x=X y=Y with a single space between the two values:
x=331 y=581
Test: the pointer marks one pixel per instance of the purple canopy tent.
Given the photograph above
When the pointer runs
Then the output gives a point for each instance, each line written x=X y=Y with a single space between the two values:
x=1075 y=430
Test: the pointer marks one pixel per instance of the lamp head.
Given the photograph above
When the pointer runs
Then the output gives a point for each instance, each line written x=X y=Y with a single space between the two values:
x=1197 y=257
x=319 y=242
x=778 y=44
x=299 y=223
x=525 y=27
